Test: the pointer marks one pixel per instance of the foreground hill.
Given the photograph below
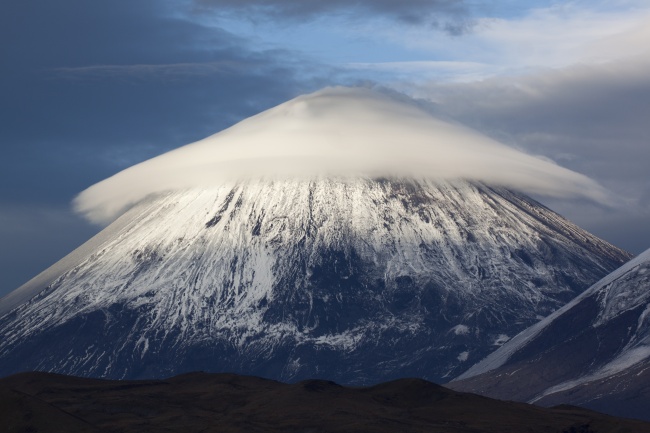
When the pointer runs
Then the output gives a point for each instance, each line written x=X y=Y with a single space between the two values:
x=201 y=402
x=594 y=352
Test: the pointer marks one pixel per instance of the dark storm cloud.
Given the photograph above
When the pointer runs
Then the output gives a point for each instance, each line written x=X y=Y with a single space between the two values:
x=449 y=15
x=89 y=88
x=83 y=81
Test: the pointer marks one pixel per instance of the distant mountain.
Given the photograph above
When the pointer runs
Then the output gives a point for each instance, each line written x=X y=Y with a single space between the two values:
x=355 y=280
x=200 y=402
x=593 y=352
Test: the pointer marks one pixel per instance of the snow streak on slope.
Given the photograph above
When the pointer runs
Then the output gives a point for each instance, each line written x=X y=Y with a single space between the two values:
x=357 y=280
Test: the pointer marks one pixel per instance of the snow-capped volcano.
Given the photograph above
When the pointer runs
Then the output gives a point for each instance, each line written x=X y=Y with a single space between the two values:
x=356 y=278
x=351 y=280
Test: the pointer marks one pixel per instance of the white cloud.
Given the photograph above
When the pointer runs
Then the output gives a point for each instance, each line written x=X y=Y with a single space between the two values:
x=592 y=117
x=553 y=37
x=336 y=132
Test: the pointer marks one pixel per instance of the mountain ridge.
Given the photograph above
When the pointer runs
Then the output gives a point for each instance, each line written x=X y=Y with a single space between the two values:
x=595 y=351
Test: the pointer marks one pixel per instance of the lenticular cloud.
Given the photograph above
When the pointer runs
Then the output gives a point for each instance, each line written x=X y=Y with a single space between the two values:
x=335 y=132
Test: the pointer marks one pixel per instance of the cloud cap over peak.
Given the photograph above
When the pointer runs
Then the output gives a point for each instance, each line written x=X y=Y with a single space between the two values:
x=336 y=131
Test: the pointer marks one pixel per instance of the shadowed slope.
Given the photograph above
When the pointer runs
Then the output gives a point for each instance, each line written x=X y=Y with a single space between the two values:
x=593 y=352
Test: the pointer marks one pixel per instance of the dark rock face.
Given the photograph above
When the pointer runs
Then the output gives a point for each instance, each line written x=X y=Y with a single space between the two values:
x=594 y=352
x=355 y=280
x=200 y=402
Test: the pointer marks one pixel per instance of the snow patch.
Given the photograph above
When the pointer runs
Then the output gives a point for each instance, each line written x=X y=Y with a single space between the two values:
x=460 y=330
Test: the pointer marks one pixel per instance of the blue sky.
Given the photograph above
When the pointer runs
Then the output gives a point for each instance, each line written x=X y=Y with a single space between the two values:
x=90 y=89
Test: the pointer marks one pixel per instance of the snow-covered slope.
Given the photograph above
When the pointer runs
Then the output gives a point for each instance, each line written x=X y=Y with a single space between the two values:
x=595 y=351
x=352 y=279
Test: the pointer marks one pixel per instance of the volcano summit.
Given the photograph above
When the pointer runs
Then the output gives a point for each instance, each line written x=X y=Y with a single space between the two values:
x=345 y=235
